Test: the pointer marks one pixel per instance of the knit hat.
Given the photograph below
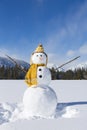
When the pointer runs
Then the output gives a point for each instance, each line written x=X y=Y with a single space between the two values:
x=39 y=49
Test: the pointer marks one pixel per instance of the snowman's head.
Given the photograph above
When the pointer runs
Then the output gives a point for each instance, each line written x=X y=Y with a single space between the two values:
x=39 y=58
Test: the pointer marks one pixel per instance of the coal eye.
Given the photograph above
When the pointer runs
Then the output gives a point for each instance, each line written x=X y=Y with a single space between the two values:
x=41 y=55
x=37 y=55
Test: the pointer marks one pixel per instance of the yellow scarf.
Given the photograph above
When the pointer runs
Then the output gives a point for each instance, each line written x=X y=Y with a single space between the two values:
x=31 y=76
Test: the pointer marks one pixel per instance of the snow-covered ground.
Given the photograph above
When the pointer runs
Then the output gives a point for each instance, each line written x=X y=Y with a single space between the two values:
x=70 y=114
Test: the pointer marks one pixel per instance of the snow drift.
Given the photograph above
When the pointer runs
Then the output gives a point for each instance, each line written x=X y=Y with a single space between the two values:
x=39 y=101
x=71 y=110
x=11 y=112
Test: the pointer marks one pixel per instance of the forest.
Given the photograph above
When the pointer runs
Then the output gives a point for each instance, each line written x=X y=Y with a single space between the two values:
x=16 y=73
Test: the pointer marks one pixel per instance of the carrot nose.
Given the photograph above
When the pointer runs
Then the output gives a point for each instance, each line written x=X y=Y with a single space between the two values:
x=41 y=58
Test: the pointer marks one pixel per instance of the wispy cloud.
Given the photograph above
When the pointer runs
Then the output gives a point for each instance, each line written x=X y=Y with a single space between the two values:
x=65 y=39
x=55 y=40
x=4 y=52
x=74 y=26
x=68 y=40
x=83 y=49
x=20 y=49
x=53 y=58
x=70 y=53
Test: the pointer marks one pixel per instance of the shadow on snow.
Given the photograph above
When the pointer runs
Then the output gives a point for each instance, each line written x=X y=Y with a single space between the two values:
x=62 y=107
x=73 y=103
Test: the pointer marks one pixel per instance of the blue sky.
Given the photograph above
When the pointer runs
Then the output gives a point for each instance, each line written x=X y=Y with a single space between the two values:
x=60 y=25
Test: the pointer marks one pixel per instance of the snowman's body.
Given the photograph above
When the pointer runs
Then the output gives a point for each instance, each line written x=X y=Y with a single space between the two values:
x=43 y=75
x=38 y=72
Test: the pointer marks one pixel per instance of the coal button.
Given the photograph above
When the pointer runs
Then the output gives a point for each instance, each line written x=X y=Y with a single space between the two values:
x=39 y=69
x=40 y=76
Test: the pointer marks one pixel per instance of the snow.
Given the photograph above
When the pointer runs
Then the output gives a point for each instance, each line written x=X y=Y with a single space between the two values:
x=40 y=100
x=70 y=114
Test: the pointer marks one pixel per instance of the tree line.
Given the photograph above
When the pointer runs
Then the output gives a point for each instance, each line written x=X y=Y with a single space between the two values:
x=15 y=73
x=11 y=73
x=76 y=74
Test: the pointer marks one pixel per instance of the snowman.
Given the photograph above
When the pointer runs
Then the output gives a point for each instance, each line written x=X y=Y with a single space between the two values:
x=39 y=99
x=38 y=73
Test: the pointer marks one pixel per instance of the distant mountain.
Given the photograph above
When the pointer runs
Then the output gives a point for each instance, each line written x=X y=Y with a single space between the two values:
x=8 y=63
x=79 y=66
x=50 y=66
